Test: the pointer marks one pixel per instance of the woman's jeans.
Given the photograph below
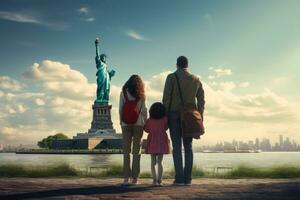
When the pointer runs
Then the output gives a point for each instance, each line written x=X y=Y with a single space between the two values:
x=132 y=138
x=182 y=174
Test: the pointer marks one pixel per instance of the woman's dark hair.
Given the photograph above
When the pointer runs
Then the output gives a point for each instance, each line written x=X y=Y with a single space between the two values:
x=157 y=111
x=135 y=87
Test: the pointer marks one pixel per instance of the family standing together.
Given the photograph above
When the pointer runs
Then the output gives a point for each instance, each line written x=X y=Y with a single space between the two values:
x=181 y=111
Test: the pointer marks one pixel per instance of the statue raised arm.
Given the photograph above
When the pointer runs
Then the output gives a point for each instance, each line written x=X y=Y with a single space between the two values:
x=97 y=58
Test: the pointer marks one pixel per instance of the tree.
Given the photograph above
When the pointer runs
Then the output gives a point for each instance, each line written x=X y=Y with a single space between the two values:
x=47 y=142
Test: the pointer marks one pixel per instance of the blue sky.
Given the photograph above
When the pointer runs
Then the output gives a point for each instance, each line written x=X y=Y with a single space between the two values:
x=254 y=44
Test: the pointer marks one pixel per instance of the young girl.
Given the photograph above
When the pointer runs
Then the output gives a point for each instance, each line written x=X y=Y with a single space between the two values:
x=157 y=141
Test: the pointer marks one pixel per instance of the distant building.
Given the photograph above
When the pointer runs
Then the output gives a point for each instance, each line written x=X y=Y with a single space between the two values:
x=265 y=145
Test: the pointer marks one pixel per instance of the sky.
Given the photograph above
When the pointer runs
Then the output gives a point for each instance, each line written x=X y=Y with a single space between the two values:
x=245 y=53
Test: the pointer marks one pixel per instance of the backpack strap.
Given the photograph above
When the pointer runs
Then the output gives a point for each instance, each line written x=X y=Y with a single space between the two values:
x=125 y=94
x=179 y=89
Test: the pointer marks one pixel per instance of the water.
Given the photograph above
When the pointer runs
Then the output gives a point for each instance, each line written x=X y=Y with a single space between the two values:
x=204 y=160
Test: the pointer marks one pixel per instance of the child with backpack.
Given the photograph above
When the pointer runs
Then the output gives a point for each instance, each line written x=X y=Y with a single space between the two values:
x=133 y=115
x=157 y=140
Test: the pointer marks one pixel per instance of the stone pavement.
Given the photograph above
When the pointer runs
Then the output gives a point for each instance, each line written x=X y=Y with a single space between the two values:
x=110 y=188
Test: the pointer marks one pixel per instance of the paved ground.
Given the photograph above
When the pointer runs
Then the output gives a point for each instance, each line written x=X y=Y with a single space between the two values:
x=92 y=188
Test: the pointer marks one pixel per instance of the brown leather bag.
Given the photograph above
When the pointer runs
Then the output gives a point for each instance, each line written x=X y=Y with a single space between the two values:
x=191 y=119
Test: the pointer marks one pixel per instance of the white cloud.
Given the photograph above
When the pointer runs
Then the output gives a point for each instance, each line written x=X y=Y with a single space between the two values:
x=265 y=107
x=83 y=10
x=8 y=83
x=85 y=13
x=26 y=18
x=211 y=77
x=90 y=19
x=39 y=102
x=135 y=35
x=18 y=17
x=61 y=103
x=227 y=86
x=222 y=72
x=219 y=72
x=60 y=79
x=155 y=85
x=244 y=84
x=7 y=133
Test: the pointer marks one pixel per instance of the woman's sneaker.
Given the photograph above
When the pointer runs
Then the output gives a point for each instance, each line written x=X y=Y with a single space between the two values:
x=159 y=183
x=154 y=182
x=125 y=182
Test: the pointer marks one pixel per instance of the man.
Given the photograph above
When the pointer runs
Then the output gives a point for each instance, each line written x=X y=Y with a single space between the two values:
x=193 y=95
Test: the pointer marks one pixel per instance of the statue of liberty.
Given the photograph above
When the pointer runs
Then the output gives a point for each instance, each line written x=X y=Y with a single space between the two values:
x=104 y=76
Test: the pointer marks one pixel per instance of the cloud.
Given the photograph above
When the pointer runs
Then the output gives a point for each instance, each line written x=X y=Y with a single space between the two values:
x=135 y=35
x=155 y=85
x=244 y=84
x=264 y=107
x=60 y=79
x=18 y=17
x=39 y=102
x=7 y=83
x=61 y=102
x=26 y=18
x=83 y=10
x=85 y=13
x=219 y=72
x=90 y=19
x=7 y=134
x=227 y=86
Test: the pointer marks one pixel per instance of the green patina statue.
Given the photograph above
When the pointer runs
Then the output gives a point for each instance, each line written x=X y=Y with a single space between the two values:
x=103 y=76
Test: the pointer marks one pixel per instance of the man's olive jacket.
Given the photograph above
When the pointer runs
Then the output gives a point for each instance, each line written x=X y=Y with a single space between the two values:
x=191 y=89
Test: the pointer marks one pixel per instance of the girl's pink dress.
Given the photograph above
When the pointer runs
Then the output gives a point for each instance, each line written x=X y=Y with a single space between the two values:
x=157 y=141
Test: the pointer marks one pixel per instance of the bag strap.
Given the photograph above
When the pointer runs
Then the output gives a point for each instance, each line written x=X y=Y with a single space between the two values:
x=179 y=89
x=169 y=106
x=125 y=95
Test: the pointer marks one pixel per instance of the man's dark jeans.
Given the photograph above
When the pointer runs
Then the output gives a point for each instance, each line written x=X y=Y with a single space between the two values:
x=182 y=174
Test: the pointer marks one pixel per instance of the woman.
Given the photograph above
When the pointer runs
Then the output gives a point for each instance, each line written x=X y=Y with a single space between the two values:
x=133 y=115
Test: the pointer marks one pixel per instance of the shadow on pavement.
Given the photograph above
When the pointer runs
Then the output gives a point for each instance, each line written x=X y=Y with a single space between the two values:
x=112 y=189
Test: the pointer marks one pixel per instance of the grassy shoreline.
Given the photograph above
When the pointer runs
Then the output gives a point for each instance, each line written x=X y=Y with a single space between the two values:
x=64 y=170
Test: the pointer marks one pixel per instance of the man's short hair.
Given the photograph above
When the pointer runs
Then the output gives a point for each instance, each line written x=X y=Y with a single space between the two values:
x=182 y=62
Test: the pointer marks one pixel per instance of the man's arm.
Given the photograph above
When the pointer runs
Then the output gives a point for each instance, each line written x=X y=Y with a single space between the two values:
x=200 y=99
x=167 y=93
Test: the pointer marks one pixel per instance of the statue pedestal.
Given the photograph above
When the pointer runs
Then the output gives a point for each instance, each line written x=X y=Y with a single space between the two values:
x=101 y=118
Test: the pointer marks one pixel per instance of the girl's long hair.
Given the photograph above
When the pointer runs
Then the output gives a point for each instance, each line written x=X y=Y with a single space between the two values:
x=135 y=87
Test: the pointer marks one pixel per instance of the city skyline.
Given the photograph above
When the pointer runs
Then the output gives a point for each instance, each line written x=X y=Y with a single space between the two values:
x=264 y=144
x=259 y=144
x=245 y=53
